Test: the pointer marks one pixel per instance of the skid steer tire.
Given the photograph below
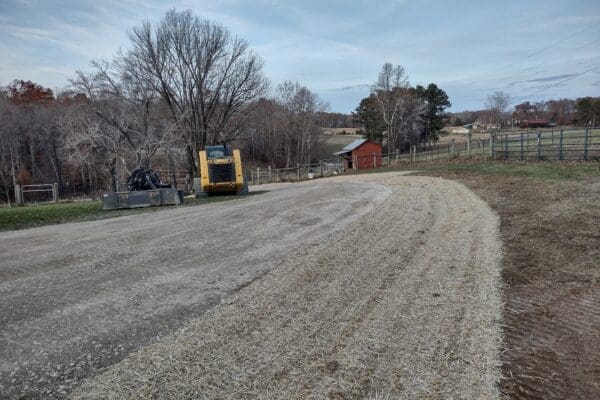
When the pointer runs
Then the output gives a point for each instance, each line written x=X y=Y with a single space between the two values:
x=198 y=192
x=244 y=188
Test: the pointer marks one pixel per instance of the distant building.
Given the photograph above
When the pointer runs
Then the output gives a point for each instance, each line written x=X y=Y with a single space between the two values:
x=461 y=130
x=361 y=154
x=475 y=126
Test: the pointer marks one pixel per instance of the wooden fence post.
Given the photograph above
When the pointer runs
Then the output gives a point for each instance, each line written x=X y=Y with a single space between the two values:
x=522 y=149
x=492 y=145
x=539 y=145
x=586 y=144
x=374 y=161
x=55 y=192
x=321 y=167
x=19 y=195
x=506 y=146
x=468 y=149
x=252 y=176
x=298 y=166
x=258 y=175
x=560 y=146
x=277 y=176
x=397 y=154
x=270 y=175
x=453 y=143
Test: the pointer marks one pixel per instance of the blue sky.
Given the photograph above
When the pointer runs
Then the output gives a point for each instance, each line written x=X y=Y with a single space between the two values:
x=532 y=50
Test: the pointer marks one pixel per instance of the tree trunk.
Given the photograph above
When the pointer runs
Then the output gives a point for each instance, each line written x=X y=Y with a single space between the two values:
x=32 y=158
x=191 y=161
x=113 y=175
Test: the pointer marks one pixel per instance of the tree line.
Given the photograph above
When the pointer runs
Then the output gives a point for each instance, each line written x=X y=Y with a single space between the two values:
x=181 y=84
x=583 y=111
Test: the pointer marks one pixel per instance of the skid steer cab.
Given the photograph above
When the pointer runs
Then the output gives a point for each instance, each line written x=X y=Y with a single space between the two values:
x=220 y=172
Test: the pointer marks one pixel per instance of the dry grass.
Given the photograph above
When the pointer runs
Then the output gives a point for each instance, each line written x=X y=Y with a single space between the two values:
x=404 y=304
x=340 y=131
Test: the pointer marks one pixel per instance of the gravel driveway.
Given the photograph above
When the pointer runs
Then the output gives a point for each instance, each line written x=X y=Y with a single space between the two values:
x=78 y=297
x=361 y=286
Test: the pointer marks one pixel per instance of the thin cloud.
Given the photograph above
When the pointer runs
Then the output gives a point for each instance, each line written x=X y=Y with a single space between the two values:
x=552 y=78
x=336 y=48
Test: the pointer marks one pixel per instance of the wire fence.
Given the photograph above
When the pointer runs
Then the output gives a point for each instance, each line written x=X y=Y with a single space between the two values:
x=341 y=165
x=36 y=194
x=178 y=178
x=297 y=173
x=548 y=145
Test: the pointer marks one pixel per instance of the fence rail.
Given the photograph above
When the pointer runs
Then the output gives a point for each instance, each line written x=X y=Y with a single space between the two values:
x=179 y=178
x=549 y=145
x=574 y=144
x=22 y=191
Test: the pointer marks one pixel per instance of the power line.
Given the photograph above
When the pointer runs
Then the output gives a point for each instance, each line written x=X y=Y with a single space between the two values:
x=551 y=85
x=505 y=66
x=561 y=40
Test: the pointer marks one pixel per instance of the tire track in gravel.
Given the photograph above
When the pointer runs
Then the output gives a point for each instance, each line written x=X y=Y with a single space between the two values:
x=76 y=298
x=404 y=303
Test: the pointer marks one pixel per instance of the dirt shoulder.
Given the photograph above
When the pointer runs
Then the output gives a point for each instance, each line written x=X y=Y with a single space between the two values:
x=551 y=233
x=402 y=303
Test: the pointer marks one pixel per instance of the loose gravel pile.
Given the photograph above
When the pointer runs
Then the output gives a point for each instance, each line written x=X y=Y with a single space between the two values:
x=403 y=303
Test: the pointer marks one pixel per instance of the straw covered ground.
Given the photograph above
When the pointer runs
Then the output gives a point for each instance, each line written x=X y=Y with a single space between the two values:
x=403 y=303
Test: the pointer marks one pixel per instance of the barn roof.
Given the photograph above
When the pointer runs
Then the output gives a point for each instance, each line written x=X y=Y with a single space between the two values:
x=351 y=146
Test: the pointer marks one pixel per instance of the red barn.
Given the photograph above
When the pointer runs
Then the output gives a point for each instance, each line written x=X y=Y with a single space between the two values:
x=535 y=123
x=361 y=154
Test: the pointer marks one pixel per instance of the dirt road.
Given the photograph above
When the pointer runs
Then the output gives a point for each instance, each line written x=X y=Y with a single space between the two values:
x=369 y=286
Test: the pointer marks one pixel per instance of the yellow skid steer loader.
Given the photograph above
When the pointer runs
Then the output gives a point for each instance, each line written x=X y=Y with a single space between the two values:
x=220 y=171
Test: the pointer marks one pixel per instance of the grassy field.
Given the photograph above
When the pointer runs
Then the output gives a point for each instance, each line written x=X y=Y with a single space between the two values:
x=14 y=218
x=329 y=144
x=537 y=170
x=342 y=131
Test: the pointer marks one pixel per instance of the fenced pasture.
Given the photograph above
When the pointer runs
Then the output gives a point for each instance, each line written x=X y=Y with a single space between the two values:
x=549 y=145
x=542 y=145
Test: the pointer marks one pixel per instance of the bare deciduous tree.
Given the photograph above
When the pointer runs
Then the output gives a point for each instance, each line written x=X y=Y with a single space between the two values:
x=497 y=103
x=122 y=116
x=7 y=149
x=401 y=109
x=284 y=130
x=206 y=76
x=299 y=112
